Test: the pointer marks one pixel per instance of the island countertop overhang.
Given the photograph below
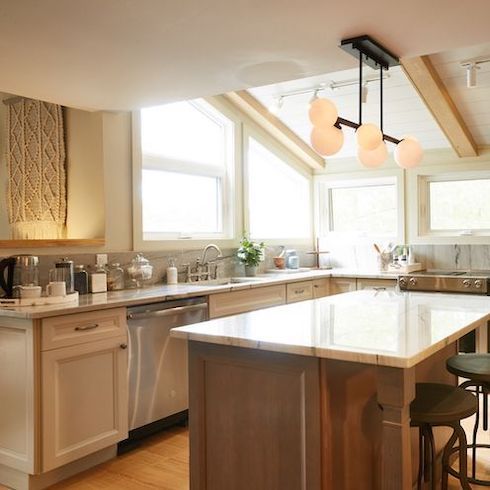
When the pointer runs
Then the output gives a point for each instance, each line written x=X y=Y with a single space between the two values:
x=396 y=329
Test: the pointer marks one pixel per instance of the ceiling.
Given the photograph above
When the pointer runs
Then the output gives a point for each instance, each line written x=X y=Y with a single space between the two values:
x=125 y=54
x=404 y=112
x=472 y=103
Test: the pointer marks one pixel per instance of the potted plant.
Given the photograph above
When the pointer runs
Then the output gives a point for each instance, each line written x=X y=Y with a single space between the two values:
x=250 y=254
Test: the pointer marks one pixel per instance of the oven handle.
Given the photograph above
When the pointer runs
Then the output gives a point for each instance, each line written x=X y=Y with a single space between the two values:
x=177 y=310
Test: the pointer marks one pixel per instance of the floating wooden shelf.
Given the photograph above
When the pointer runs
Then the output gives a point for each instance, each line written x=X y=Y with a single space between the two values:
x=68 y=242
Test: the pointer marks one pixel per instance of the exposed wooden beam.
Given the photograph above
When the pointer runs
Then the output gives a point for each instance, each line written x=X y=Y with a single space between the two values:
x=433 y=92
x=247 y=103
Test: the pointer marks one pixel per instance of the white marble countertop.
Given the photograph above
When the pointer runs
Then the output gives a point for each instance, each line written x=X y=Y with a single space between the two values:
x=164 y=292
x=383 y=328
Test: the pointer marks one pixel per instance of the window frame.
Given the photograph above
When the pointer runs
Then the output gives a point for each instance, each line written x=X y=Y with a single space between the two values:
x=295 y=164
x=230 y=175
x=420 y=218
x=324 y=183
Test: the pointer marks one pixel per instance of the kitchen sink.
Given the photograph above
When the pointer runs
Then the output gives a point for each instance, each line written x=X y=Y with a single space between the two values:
x=229 y=280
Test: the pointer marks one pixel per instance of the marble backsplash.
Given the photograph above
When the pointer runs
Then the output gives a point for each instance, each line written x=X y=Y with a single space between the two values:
x=464 y=257
x=227 y=267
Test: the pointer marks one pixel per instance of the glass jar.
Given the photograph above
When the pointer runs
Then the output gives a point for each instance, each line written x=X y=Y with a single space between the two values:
x=140 y=272
x=81 y=279
x=115 y=277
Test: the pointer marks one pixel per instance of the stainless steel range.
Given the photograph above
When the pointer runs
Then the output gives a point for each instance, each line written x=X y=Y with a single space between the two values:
x=468 y=282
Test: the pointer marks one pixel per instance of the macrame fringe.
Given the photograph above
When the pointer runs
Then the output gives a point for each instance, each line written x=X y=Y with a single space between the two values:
x=37 y=230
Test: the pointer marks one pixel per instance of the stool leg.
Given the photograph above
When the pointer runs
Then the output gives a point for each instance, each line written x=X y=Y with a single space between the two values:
x=421 y=458
x=485 y=409
x=445 y=458
x=432 y=457
x=427 y=453
x=475 y=432
x=463 y=455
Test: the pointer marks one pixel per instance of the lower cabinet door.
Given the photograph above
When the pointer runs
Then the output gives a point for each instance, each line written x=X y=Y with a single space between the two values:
x=84 y=400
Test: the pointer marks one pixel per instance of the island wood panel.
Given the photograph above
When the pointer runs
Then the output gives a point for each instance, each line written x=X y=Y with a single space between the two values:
x=352 y=421
x=241 y=301
x=376 y=284
x=254 y=419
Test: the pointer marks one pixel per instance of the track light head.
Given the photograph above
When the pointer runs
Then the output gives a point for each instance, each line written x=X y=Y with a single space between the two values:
x=364 y=93
x=276 y=105
x=471 y=75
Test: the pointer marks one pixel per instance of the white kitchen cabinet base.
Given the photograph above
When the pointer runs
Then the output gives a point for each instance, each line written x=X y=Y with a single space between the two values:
x=23 y=481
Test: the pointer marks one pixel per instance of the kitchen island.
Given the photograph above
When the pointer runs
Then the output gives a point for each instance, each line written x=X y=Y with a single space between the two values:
x=316 y=395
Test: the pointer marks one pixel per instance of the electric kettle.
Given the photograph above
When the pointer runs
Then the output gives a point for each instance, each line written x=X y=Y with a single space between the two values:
x=17 y=271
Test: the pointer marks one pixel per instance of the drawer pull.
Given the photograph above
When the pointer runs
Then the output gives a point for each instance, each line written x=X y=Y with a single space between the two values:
x=124 y=346
x=299 y=291
x=379 y=288
x=316 y=286
x=87 y=327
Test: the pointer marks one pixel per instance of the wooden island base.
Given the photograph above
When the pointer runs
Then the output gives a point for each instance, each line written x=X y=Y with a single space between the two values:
x=273 y=421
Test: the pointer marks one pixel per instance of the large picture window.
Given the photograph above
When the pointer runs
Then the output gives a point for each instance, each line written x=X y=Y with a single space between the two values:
x=279 y=197
x=455 y=204
x=360 y=208
x=187 y=161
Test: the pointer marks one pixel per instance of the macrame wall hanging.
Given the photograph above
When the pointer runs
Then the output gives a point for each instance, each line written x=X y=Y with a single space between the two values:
x=36 y=170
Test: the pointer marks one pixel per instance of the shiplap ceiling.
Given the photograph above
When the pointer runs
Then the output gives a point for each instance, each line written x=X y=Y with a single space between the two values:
x=404 y=112
x=473 y=103
x=125 y=54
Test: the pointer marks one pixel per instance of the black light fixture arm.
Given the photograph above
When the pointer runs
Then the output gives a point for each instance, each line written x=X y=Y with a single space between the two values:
x=351 y=124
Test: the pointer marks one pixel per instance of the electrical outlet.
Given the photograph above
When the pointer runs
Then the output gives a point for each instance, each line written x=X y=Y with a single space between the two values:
x=101 y=259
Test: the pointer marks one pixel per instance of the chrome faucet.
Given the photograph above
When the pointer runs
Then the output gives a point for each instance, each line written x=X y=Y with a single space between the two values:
x=204 y=269
x=205 y=251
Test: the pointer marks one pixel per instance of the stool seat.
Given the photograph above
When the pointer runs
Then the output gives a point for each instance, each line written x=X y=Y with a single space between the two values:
x=472 y=366
x=436 y=403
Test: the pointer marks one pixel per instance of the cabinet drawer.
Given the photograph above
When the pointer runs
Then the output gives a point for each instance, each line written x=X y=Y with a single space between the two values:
x=299 y=291
x=234 y=302
x=377 y=284
x=321 y=288
x=66 y=330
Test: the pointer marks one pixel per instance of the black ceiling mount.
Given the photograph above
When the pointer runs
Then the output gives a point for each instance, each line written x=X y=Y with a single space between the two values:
x=375 y=55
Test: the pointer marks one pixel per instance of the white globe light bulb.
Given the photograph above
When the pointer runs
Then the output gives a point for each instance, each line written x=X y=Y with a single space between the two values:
x=374 y=158
x=323 y=113
x=369 y=136
x=327 y=141
x=408 y=153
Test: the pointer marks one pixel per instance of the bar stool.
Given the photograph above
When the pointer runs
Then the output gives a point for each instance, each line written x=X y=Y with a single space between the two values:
x=441 y=405
x=476 y=369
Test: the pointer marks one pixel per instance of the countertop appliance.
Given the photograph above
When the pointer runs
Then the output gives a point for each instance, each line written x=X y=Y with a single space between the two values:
x=158 y=373
x=446 y=281
x=17 y=271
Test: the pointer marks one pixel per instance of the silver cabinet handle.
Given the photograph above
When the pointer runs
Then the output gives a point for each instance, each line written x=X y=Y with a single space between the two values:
x=379 y=288
x=171 y=311
x=87 y=327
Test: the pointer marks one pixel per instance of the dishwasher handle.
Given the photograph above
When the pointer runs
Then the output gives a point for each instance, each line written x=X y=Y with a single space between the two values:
x=169 y=312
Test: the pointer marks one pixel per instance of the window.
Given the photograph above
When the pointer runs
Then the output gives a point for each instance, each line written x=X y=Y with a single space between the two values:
x=187 y=150
x=455 y=205
x=279 y=202
x=362 y=207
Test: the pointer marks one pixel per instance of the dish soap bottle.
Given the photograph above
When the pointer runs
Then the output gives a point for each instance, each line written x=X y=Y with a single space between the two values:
x=172 y=275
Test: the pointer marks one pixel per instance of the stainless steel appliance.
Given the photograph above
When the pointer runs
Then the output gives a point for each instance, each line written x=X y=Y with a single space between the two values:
x=158 y=379
x=446 y=281
x=17 y=271
x=469 y=282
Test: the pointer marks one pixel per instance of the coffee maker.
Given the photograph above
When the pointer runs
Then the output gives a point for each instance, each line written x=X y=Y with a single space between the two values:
x=18 y=271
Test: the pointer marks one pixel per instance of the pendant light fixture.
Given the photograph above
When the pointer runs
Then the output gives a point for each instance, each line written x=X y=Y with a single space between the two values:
x=327 y=137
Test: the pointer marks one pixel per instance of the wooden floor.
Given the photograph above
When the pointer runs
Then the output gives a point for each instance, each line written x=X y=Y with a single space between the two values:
x=162 y=462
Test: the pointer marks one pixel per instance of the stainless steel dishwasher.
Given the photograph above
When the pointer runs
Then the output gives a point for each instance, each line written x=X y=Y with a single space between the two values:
x=158 y=377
